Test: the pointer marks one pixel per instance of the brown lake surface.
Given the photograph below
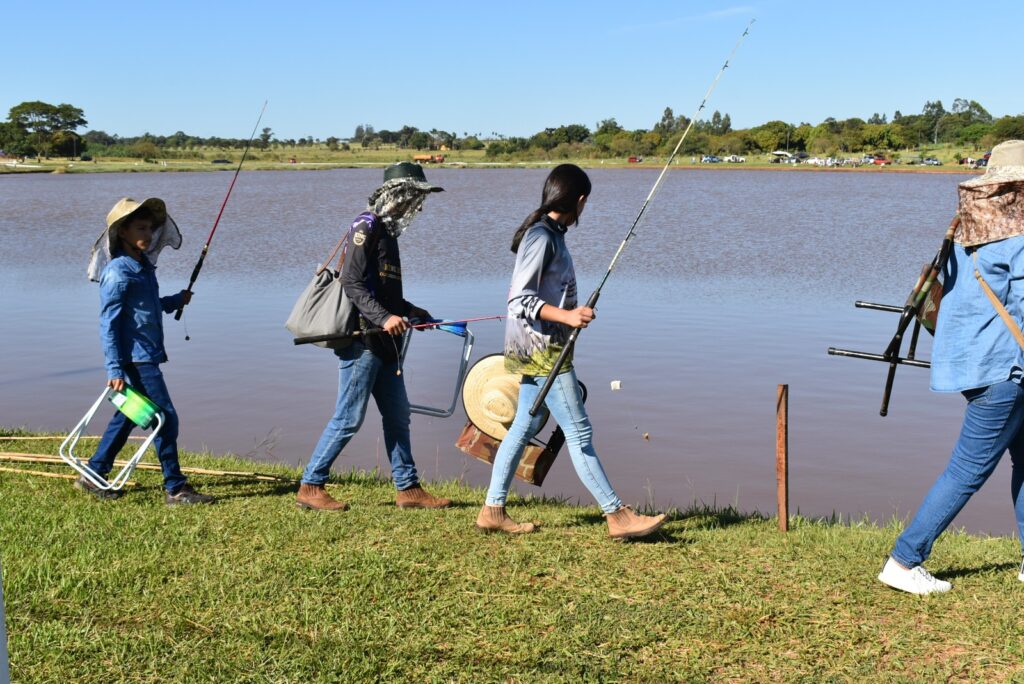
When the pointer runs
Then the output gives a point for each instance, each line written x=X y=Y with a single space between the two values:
x=737 y=281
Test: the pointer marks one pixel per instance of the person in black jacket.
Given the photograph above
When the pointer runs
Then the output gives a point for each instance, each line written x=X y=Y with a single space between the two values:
x=372 y=278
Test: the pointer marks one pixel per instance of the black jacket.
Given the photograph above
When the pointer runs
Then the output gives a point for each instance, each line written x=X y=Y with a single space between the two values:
x=372 y=278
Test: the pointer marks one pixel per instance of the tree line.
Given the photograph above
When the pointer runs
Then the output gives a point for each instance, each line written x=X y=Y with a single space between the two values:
x=42 y=129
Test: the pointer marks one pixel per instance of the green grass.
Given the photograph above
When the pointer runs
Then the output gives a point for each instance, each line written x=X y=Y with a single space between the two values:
x=255 y=590
x=318 y=157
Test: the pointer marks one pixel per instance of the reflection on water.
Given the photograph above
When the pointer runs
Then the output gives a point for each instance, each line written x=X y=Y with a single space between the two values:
x=736 y=282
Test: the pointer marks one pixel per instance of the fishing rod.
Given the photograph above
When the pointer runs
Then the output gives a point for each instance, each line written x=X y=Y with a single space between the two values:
x=592 y=302
x=209 y=239
x=449 y=326
x=921 y=307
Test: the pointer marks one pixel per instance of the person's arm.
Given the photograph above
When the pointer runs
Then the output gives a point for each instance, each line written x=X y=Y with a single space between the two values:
x=360 y=257
x=580 y=317
x=113 y=288
x=175 y=301
x=535 y=253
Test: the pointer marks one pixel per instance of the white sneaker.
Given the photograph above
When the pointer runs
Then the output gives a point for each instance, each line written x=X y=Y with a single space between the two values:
x=917 y=580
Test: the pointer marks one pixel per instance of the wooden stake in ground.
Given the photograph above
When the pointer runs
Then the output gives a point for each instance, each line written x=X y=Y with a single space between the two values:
x=782 y=455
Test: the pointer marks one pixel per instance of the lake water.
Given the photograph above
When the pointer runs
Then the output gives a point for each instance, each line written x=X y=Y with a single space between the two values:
x=737 y=281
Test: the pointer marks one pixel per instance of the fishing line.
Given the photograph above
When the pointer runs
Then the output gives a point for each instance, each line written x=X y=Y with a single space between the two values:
x=592 y=302
x=209 y=239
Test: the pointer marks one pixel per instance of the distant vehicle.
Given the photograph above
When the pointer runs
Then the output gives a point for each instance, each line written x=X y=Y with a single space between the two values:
x=882 y=161
x=850 y=161
x=709 y=159
x=221 y=161
x=429 y=158
x=981 y=163
x=85 y=157
x=635 y=160
x=931 y=161
x=815 y=161
x=735 y=159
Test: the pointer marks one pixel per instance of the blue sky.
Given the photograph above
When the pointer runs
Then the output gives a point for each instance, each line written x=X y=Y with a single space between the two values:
x=510 y=67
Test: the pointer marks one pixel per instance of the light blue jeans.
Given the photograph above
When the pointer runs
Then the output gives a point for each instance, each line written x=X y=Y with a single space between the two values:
x=361 y=374
x=565 y=403
x=992 y=424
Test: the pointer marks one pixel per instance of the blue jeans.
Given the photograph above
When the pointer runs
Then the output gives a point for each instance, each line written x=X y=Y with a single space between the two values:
x=360 y=374
x=147 y=378
x=992 y=424
x=565 y=403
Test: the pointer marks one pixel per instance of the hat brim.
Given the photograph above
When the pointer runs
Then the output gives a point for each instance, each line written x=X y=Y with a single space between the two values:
x=995 y=175
x=418 y=184
x=485 y=374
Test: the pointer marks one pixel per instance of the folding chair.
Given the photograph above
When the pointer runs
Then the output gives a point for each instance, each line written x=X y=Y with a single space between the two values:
x=138 y=409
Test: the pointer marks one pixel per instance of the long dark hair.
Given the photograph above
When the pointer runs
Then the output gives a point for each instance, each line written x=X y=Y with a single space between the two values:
x=562 y=191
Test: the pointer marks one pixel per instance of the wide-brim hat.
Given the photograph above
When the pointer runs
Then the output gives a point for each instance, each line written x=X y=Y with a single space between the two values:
x=490 y=395
x=409 y=173
x=165 y=233
x=1005 y=165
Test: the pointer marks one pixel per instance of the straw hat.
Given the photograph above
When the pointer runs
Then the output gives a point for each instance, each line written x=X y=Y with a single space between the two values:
x=1005 y=165
x=165 y=233
x=491 y=396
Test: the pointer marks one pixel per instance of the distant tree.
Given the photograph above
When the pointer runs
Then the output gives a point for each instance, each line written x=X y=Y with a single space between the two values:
x=667 y=124
x=332 y=144
x=145 y=150
x=360 y=132
x=1008 y=128
x=67 y=144
x=40 y=121
x=471 y=142
x=265 y=135
x=419 y=140
x=877 y=119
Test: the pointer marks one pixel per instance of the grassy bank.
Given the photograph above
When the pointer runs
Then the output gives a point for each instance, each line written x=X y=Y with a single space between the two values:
x=314 y=157
x=255 y=590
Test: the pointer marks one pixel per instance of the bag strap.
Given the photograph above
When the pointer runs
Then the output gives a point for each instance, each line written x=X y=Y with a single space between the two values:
x=1000 y=309
x=341 y=258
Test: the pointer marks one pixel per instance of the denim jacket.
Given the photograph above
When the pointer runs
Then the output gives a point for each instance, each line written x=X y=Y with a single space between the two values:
x=973 y=347
x=131 y=328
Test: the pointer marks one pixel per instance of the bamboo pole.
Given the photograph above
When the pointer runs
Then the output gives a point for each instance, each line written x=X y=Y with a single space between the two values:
x=43 y=473
x=54 y=460
x=29 y=438
x=782 y=455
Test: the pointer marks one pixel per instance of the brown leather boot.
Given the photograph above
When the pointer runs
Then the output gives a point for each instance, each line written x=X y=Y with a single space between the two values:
x=417 y=497
x=315 y=497
x=495 y=519
x=625 y=524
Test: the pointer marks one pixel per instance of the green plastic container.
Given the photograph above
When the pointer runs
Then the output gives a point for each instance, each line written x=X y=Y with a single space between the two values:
x=137 y=407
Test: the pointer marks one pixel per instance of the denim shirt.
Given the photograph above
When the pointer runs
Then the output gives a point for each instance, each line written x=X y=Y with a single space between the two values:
x=973 y=347
x=131 y=328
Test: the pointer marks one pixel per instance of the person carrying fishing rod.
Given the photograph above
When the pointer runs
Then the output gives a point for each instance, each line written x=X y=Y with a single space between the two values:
x=981 y=357
x=131 y=329
x=542 y=310
x=369 y=364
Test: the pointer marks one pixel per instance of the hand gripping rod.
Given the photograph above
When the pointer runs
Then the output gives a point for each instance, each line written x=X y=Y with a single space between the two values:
x=209 y=239
x=592 y=302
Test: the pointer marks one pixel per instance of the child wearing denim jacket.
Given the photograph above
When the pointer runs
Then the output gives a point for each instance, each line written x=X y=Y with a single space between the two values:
x=131 y=332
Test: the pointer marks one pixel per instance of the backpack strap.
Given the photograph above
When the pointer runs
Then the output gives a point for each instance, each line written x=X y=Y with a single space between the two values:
x=998 y=305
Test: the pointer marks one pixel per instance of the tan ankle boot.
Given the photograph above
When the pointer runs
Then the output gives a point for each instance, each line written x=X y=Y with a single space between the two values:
x=417 y=497
x=625 y=524
x=495 y=519
x=315 y=497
